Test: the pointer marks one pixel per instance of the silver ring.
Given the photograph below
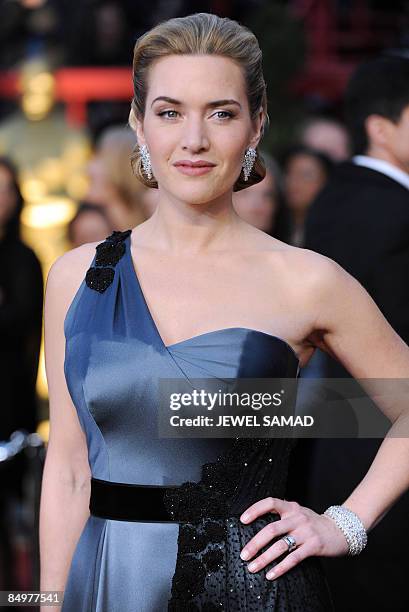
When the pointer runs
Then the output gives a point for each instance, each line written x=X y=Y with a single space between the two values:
x=290 y=541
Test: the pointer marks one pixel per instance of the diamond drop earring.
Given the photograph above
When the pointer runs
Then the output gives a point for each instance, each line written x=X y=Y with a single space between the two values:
x=146 y=161
x=249 y=159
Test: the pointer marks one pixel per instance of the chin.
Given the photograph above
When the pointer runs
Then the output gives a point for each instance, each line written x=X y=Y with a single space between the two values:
x=197 y=194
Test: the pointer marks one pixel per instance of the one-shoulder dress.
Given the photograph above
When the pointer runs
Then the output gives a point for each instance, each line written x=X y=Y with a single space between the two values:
x=114 y=356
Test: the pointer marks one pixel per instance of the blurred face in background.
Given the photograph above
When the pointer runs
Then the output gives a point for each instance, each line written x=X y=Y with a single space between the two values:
x=305 y=176
x=112 y=183
x=101 y=190
x=89 y=226
x=257 y=204
x=110 y=27
x=149 y=200
x=7 y=196
x=329 y=138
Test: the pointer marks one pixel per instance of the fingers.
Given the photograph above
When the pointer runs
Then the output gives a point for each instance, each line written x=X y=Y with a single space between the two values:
x=265 y=535
x=297 y=521
x=273 y=552
x=268 y=504
x=290 y=561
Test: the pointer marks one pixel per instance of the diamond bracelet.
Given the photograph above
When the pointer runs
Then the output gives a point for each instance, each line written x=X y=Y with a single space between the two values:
x=351 y=526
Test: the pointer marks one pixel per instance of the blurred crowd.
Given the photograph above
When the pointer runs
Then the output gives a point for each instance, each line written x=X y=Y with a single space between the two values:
x=339 y=186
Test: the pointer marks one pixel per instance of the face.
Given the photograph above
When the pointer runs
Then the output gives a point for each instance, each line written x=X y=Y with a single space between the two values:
x=109 y=25
x=89 y=227
x=257 y=204
x=7 y=196
x=206 y=118
x=328 y=138
x=100 y=189
x=304 y=178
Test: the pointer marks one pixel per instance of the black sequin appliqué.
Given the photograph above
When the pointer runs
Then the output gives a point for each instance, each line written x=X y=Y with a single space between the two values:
x=209 y=573
x=109 y=252
x=202 y=508
x=212 y=496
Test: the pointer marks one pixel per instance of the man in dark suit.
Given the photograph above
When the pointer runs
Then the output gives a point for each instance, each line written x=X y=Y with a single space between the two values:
x=361 y=220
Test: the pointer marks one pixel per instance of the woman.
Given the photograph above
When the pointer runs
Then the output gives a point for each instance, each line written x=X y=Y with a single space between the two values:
x=175 y=523
x=112 y=185
x=21 y=309
x=263 y=204
x=89 y=224
x=305 y=174
x=258 y=205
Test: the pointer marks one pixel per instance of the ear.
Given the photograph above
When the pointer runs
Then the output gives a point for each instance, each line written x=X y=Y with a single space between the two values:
x=257 y=123
x=378 y=129
x=138 y=127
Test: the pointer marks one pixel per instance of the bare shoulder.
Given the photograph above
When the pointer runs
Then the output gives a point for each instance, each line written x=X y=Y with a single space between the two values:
x=301 y=268
x=317 y=279
x=321 y=275
x=72 y=265
x=312 y=266
x=308 y=268
x=315 y=285
x=299 y=260
x=333 y=297
x=67 y=272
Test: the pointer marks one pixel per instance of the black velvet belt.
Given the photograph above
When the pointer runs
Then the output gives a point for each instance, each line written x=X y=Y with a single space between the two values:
x=129 y=502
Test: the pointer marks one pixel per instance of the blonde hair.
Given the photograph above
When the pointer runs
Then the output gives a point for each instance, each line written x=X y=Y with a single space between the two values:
x=200 y=34
x=116 y=144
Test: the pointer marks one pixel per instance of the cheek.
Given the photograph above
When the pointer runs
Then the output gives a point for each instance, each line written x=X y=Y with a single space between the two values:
x=96 y=170
x=7 y=205
x=403 y=142
x=161 y=138
x=233 y=151
x=310 y=190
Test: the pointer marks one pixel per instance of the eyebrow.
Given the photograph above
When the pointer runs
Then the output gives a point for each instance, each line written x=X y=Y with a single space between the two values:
x=212 y=104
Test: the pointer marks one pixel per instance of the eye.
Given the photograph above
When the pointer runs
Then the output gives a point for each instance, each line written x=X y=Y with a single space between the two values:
x=229 y=115
x=163 y=113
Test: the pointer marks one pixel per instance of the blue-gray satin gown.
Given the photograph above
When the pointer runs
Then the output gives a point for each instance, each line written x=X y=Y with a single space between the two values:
x=114 y=356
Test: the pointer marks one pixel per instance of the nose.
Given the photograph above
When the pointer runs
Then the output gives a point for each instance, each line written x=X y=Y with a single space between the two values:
x=194 y=137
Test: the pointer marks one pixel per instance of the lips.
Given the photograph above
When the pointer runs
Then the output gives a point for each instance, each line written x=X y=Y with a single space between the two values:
x=196 y=164
x=197 y=168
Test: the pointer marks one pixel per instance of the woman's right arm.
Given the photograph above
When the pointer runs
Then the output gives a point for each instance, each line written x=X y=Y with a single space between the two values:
x=66 y=478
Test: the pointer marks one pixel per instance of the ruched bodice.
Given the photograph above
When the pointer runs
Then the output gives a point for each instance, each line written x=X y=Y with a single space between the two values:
x=114 y=357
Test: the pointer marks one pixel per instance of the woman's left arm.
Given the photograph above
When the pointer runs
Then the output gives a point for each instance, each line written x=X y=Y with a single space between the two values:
x=350 y=327
x=355 y=331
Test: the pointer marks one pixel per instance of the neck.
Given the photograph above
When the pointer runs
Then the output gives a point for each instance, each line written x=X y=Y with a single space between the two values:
x=191 y=228
x=298 y=216
x=384 y=155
